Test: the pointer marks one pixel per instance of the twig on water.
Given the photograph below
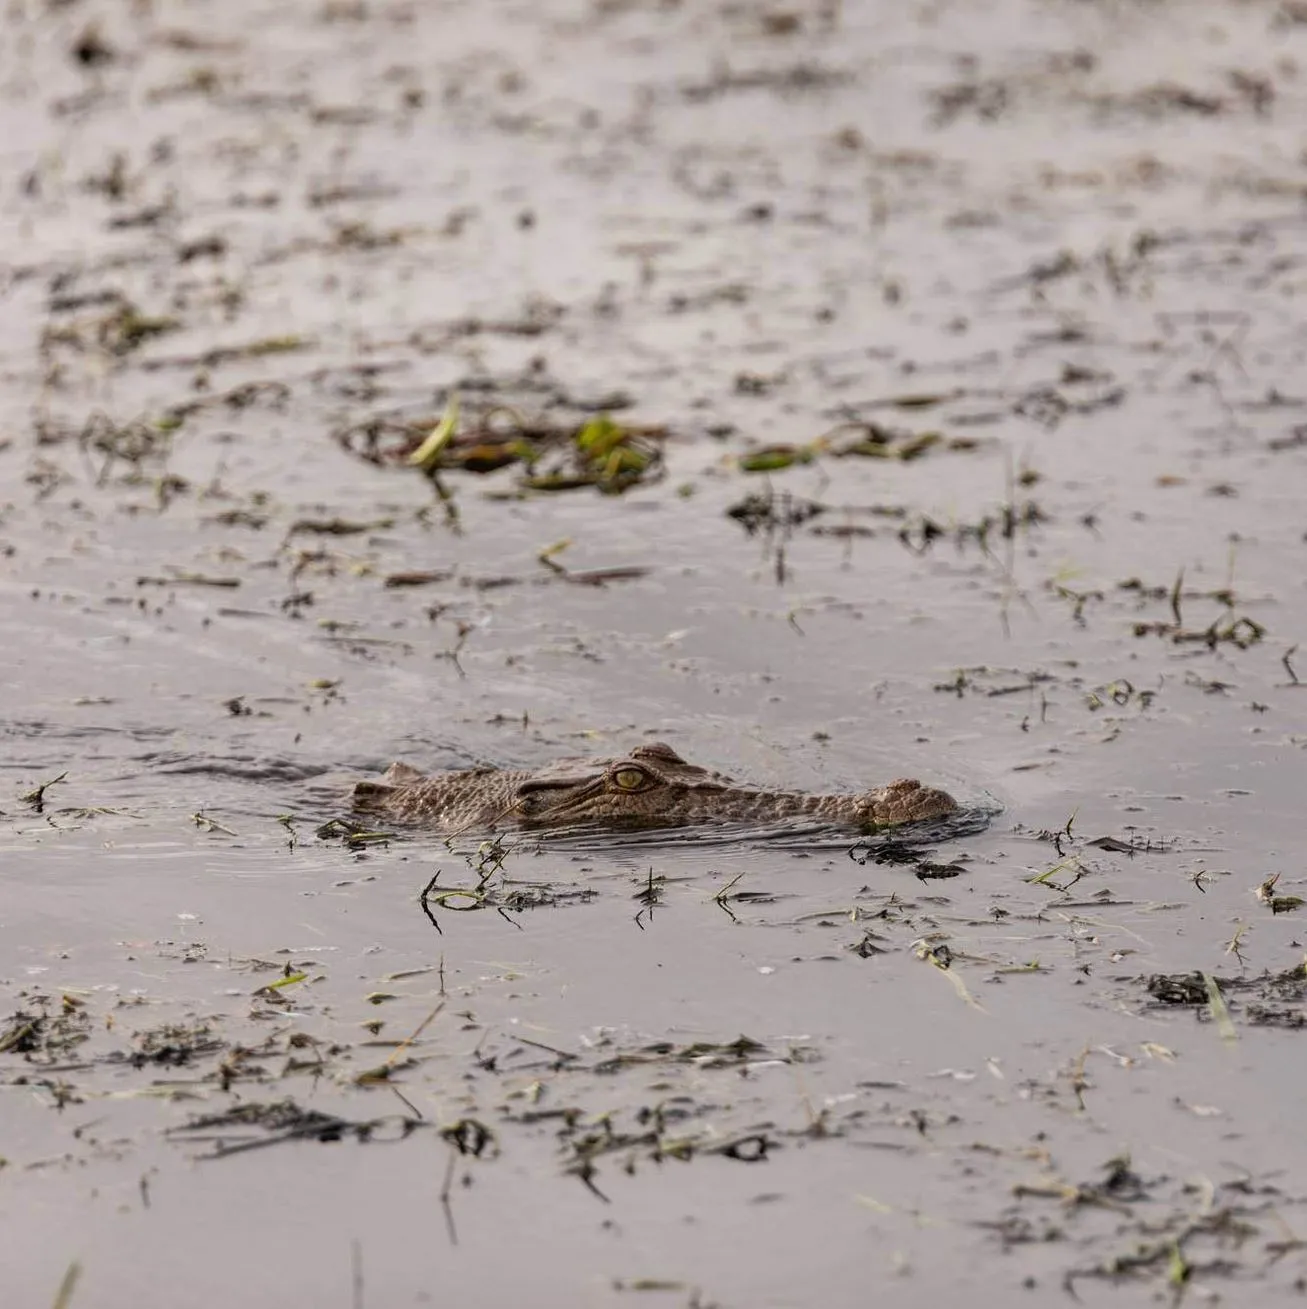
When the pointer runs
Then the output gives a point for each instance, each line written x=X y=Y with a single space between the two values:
x=63 y=1297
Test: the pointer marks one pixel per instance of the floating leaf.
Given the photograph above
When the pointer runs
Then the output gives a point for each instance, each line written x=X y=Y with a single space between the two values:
x=600 y=436
x=427 y=455
x=1219 y=1010
x=772 y=458
x=290 y=979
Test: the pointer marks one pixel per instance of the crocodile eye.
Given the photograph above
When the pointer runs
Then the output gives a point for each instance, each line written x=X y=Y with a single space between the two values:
x=629 y=779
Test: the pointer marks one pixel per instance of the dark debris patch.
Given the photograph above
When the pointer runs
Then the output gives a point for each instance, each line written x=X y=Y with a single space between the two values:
x=518 y=896
x=1166 y=1232
x=767 y=513
x=1228 y=627
x=116 y=333
x=911 y=844
x=791 y=80
x=676 y=1125
x=617 y=1106
x=175 y=1045
x=739 y=1053
x=47 y=1032
x=1260 y=1015
x=1264 y=1001
x=1186 y=1248
x=656 y=1135
x=876 y=442
x=59 y=1034
x=354 y=835
x=256 y=1125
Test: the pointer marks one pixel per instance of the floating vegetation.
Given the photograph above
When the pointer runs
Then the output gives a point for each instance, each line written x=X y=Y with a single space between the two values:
x=256 y=1125
x=120 y=331
x=36 y=796
x=601 y=452
x=863 y=438
x=586 y=576
x=260 y=348
x=494 y=889
x=878 y=442
x=1241 y=632
x=134 y=443
x=776 y=516
x=768 y=512
x=772 y=458
x=48 y=1031
x=1228 y=627
x=429 y=454
x=1268 y=1000
x=1278 y=904
x=355 y=835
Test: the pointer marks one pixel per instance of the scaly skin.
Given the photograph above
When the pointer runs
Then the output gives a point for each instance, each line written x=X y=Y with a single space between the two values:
x=651 y=787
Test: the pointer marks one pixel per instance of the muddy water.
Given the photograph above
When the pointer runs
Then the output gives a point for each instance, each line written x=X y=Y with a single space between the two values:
x=1003 y=298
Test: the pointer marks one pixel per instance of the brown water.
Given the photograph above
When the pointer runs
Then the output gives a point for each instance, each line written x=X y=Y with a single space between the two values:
x=1067 y=239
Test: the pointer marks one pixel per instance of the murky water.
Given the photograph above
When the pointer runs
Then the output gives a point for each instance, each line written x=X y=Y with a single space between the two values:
x=1003 y=301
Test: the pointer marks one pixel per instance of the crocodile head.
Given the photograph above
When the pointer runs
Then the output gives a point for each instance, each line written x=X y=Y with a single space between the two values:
x=652 y=786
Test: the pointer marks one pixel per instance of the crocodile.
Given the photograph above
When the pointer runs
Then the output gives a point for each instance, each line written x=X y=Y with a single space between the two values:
x=652 y=786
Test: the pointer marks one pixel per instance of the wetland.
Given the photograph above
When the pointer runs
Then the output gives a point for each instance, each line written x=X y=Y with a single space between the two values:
x=834 y=392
